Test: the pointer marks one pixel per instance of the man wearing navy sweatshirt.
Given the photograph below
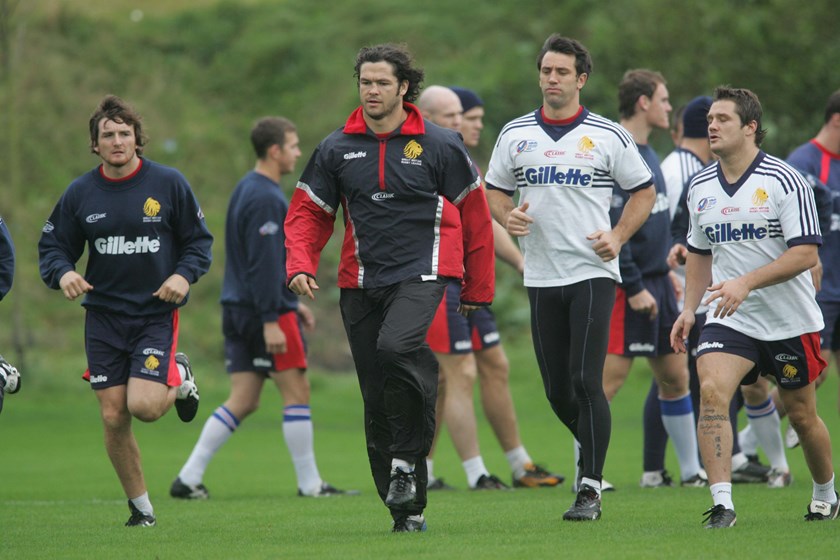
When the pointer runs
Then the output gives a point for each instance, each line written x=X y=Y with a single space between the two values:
x=9 y=376
x=147 y=243
x=261 y=318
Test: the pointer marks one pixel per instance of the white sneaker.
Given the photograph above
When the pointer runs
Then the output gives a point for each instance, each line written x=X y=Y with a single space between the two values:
x=10 y=377
x=779 y=479
x=791 y=437
x=655 y=479
x=186 y=402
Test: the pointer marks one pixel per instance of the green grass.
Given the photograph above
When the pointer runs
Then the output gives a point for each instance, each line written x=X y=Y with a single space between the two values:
x=59 y=497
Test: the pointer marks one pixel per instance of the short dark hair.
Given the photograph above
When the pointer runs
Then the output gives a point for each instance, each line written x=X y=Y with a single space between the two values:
x=832 y=106
x=565 y=45
x=112 y=108
x=400 y=59
x=269 y=131
x=635 y=84
x=747 y=106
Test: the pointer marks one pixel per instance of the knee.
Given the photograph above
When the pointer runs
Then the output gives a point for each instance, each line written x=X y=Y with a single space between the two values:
x=115 y=419
x=712 y=394
x=801 y=418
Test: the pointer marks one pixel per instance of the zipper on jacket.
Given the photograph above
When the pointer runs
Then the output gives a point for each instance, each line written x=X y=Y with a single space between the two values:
x=382 y=144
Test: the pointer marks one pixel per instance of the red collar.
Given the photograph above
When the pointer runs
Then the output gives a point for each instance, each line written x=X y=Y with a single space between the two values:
x=412 y=125
x=562 y=122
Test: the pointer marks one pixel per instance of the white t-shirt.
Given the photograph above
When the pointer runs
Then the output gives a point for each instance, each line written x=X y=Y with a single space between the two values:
x=565 y=172
x=748 y=225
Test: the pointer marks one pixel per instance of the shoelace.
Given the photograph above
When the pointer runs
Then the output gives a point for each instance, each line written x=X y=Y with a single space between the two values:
x=404 y=480
x=713 y=513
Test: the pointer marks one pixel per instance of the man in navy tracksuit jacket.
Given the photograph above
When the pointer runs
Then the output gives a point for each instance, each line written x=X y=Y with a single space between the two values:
x=391 y=171
x=147 y=242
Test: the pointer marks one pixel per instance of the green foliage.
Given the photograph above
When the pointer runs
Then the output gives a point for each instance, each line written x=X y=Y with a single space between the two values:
x=200 y=72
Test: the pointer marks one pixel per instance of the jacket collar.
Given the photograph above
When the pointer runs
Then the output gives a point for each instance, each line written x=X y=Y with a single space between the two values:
x=412 y=125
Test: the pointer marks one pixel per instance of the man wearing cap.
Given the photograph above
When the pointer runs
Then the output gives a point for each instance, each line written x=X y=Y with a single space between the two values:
x=470 y=347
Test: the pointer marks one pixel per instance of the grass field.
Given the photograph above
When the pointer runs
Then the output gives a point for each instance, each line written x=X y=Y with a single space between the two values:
x=59 y=497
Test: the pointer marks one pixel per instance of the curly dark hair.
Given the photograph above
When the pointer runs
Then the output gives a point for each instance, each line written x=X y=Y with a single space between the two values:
x=401 y=61
x=113 y=108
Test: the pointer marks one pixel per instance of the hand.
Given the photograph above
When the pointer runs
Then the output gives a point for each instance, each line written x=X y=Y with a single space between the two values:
x=606 y=246
x=73 y=285
x=466 y=310
x=677 y=255
x=173 y=290
x=304 y=285
x=275 y=338
x=731 y=294
x=306 y=317
x=679 y=332
x=644 y=303
x=518 y=220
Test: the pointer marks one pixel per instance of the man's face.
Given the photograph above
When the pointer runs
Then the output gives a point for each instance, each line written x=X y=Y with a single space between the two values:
x=115 y=143
x=447 y=112
x=472 y=122
x=559 y=81
x=659 y=107
x=379 y=90
x=726 y=133
x=289 y=153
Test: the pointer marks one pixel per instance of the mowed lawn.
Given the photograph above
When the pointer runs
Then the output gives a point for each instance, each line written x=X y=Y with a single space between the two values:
x=59 y=497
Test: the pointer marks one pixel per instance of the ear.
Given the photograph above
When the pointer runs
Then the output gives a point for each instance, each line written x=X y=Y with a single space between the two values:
x=644 y=102
x=403 y=88
x=582 y=79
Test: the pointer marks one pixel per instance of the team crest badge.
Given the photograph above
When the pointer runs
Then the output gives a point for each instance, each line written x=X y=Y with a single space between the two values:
x=585 y=144
x=759 y=197
x=789 y=371
x=413 y=150
x=151 y=363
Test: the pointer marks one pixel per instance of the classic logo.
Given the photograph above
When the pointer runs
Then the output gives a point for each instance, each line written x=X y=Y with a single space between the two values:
x=554 y=153
x=412 y=150
x=730 y=232
x=151 y=207
x=789 y=371
x=706 y=204
x=98 y=378
x=269 y=228
x=785 y=358
x=119 y=245
x=93 y=218
x=48 y=227
x=729 y=210
x=382 y=196
x=354 y=155
x=759 y=197
x=151 y=363
x=557 y=175
x=526 y=146
x=153 y=352
x=585 y=144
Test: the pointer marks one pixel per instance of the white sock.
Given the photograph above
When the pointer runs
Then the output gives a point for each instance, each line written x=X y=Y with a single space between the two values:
x=142 y=503
x=298 y=433
x=430 y=464
x=767 y=427
x=739 y=460
x=593 y=483
x=217 y=429
x=747 y=440
x=475 y=469
x=577 y=463
x=825 y=492
x=678 y=419
x=722 y=494
x=518 y=458
x=404 y=466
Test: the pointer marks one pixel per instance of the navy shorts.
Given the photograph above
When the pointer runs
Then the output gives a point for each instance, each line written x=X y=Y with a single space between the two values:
x=830 y=335
x=794 y=362
x=245 y=343
x=635 y=334
x=120 y=346
x=452 y=333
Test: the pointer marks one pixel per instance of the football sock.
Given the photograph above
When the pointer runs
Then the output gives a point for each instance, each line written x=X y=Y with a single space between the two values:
x=596 y=484
x=143 y=504
x=655 y=436
x=825 y=492
x=722 y=494
x=766 y=425
x=748 y=441
x=404 y=466
x=217 y=429
x=739 y=460
x=518 y=458
x=678 y=419
x=298 y=433
x=475 y=469
x=430 y=470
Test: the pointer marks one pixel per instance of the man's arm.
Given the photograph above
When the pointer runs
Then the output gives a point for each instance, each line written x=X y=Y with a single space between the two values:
x=506 y=249
x=513 y=218
x=7 y=260
x=607 y=244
